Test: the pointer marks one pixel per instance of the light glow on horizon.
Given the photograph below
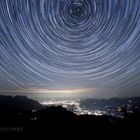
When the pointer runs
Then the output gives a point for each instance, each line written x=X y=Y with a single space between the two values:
x=53 y=91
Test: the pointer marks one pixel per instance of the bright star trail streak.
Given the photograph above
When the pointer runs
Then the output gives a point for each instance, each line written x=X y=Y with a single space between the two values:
x=69 y=44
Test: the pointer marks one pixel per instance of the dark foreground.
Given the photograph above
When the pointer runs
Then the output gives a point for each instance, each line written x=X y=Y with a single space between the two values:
x=51 y=120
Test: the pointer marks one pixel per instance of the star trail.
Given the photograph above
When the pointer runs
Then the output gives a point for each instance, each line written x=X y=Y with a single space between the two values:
x=69 y=44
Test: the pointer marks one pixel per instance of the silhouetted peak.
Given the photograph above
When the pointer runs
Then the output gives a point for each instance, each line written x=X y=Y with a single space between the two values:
x=21 y=103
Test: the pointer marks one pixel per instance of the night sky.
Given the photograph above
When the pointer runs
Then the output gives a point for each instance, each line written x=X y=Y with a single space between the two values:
x=70 y=46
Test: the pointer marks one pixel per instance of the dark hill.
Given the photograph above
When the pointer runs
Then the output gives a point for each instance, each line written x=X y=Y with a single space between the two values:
x=33 y=118
x=18 y=103
x=103 y=104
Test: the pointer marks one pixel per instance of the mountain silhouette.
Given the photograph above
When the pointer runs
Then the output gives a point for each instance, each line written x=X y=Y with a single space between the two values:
x=103 y=104
x=20 y=111
x=18 y=103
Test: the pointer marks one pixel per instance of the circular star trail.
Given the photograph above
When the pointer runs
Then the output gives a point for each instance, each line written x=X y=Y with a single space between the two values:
x=67 y=43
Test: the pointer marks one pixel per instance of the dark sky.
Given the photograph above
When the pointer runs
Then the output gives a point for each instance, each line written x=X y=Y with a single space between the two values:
x=70 y=46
